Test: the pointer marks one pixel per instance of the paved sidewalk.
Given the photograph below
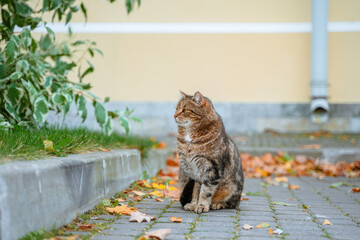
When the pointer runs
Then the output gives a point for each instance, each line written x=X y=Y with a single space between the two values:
x=338 y=205
x=323 y=145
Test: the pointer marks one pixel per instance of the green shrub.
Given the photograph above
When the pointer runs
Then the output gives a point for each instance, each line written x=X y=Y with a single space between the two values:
x=34 y=72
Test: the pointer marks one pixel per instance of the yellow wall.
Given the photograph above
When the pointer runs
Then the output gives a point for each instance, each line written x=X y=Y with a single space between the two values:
x=226 y=67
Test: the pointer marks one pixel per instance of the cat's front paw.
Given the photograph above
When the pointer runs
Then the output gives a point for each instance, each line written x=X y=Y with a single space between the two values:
x=200 y=208
x=218 y=205
x=190 y=206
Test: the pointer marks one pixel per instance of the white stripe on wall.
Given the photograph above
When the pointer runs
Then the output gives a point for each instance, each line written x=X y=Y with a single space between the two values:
x=193 y=28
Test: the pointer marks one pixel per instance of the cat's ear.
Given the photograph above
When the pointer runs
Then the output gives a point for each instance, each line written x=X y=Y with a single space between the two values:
x=182 y=94
x=199 y=98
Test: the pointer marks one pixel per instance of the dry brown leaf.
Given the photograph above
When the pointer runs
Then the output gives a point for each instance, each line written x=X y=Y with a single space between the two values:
x=244 y=199
x=159 y=200
x=327 y=222
x=49 y=145
x=139 y=217
x=176 y=219
x=271 y=231
x=104 y=150
x=123 y=209
x=310 y=146
x=85 y=227
x=293 y=187
x=137 y=198
x=356 y=190
x=157 y=234
x=247 y=227
x=120 y=200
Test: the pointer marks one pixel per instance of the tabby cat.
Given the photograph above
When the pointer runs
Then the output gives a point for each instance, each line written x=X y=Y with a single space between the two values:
x=211 y=175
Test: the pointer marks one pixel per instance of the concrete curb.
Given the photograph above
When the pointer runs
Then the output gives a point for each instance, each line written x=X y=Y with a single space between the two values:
x=50 y=193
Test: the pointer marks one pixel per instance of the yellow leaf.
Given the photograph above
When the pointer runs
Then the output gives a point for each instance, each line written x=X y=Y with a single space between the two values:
x=123 y=209
x=159 y=186
x=49 y=145
x=157 y=194
x=139 y=193
x=271 y=231
x=172 y=188
x=146 y=184
x=282 y=179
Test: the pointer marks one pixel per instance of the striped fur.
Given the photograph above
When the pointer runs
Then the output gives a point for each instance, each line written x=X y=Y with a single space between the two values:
x=211 y=174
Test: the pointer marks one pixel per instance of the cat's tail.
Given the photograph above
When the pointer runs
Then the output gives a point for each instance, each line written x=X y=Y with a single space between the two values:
x=186 y=195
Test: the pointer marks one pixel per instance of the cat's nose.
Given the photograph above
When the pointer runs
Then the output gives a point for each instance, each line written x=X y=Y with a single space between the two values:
x=176 y=114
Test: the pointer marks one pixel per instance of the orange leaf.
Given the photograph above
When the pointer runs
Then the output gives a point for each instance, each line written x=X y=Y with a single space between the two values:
x=123 y=209
x=356 y=190
x=104 y=150
x=173 y=182
x=175 y=194
x=244 y=199
x=176 y=219
x=137 y=198
x=310 y=146
x=159 y=200
x=271 y=231
x=157 y=194
x=281 y=179
x=293 y=187
x=160 y=145
x=120 y=200
x=327 y=222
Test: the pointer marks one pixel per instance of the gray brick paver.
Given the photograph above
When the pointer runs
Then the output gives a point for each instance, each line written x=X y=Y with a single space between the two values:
x=221 y=224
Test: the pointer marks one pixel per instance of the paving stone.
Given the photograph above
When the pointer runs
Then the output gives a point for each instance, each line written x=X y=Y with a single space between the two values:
x=111 y=237
x=212 y=235
x=107 y=217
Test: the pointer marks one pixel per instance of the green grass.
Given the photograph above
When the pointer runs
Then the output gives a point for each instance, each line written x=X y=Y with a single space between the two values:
x=24 y=144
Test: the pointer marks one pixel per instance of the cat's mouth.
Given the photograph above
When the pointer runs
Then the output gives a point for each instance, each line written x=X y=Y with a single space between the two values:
x=182 y=124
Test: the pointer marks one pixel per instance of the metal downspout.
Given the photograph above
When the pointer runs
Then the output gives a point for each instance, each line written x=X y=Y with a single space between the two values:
x=319 y=61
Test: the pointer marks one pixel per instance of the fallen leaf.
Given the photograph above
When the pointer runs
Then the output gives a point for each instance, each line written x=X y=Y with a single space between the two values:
x=123 y=209
x=304 y=206
x=271 y=231
x=327 y=222
x=356 y=190
x=176 y=219
x=146 y=184
x=339 y=184
x=159 y=186
x=283 y=204
x=139 y=193
x=244 y=199
x=139 y=217
x=49 y=145
x=157 y=234
x=157 y=194
x=175 y=194
x=173 y=182
x=263 y=225
x=85 y=227
x=137 y=198
x=310 y=146
x=160 y=145
x=159 y=200
x=247 y=227
x=170 y=188
x=120 y=200
x=281 y=179
x=278 y=231
x=255 y=194
x=293 y=187
x=104 y=150
x=72 y=237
